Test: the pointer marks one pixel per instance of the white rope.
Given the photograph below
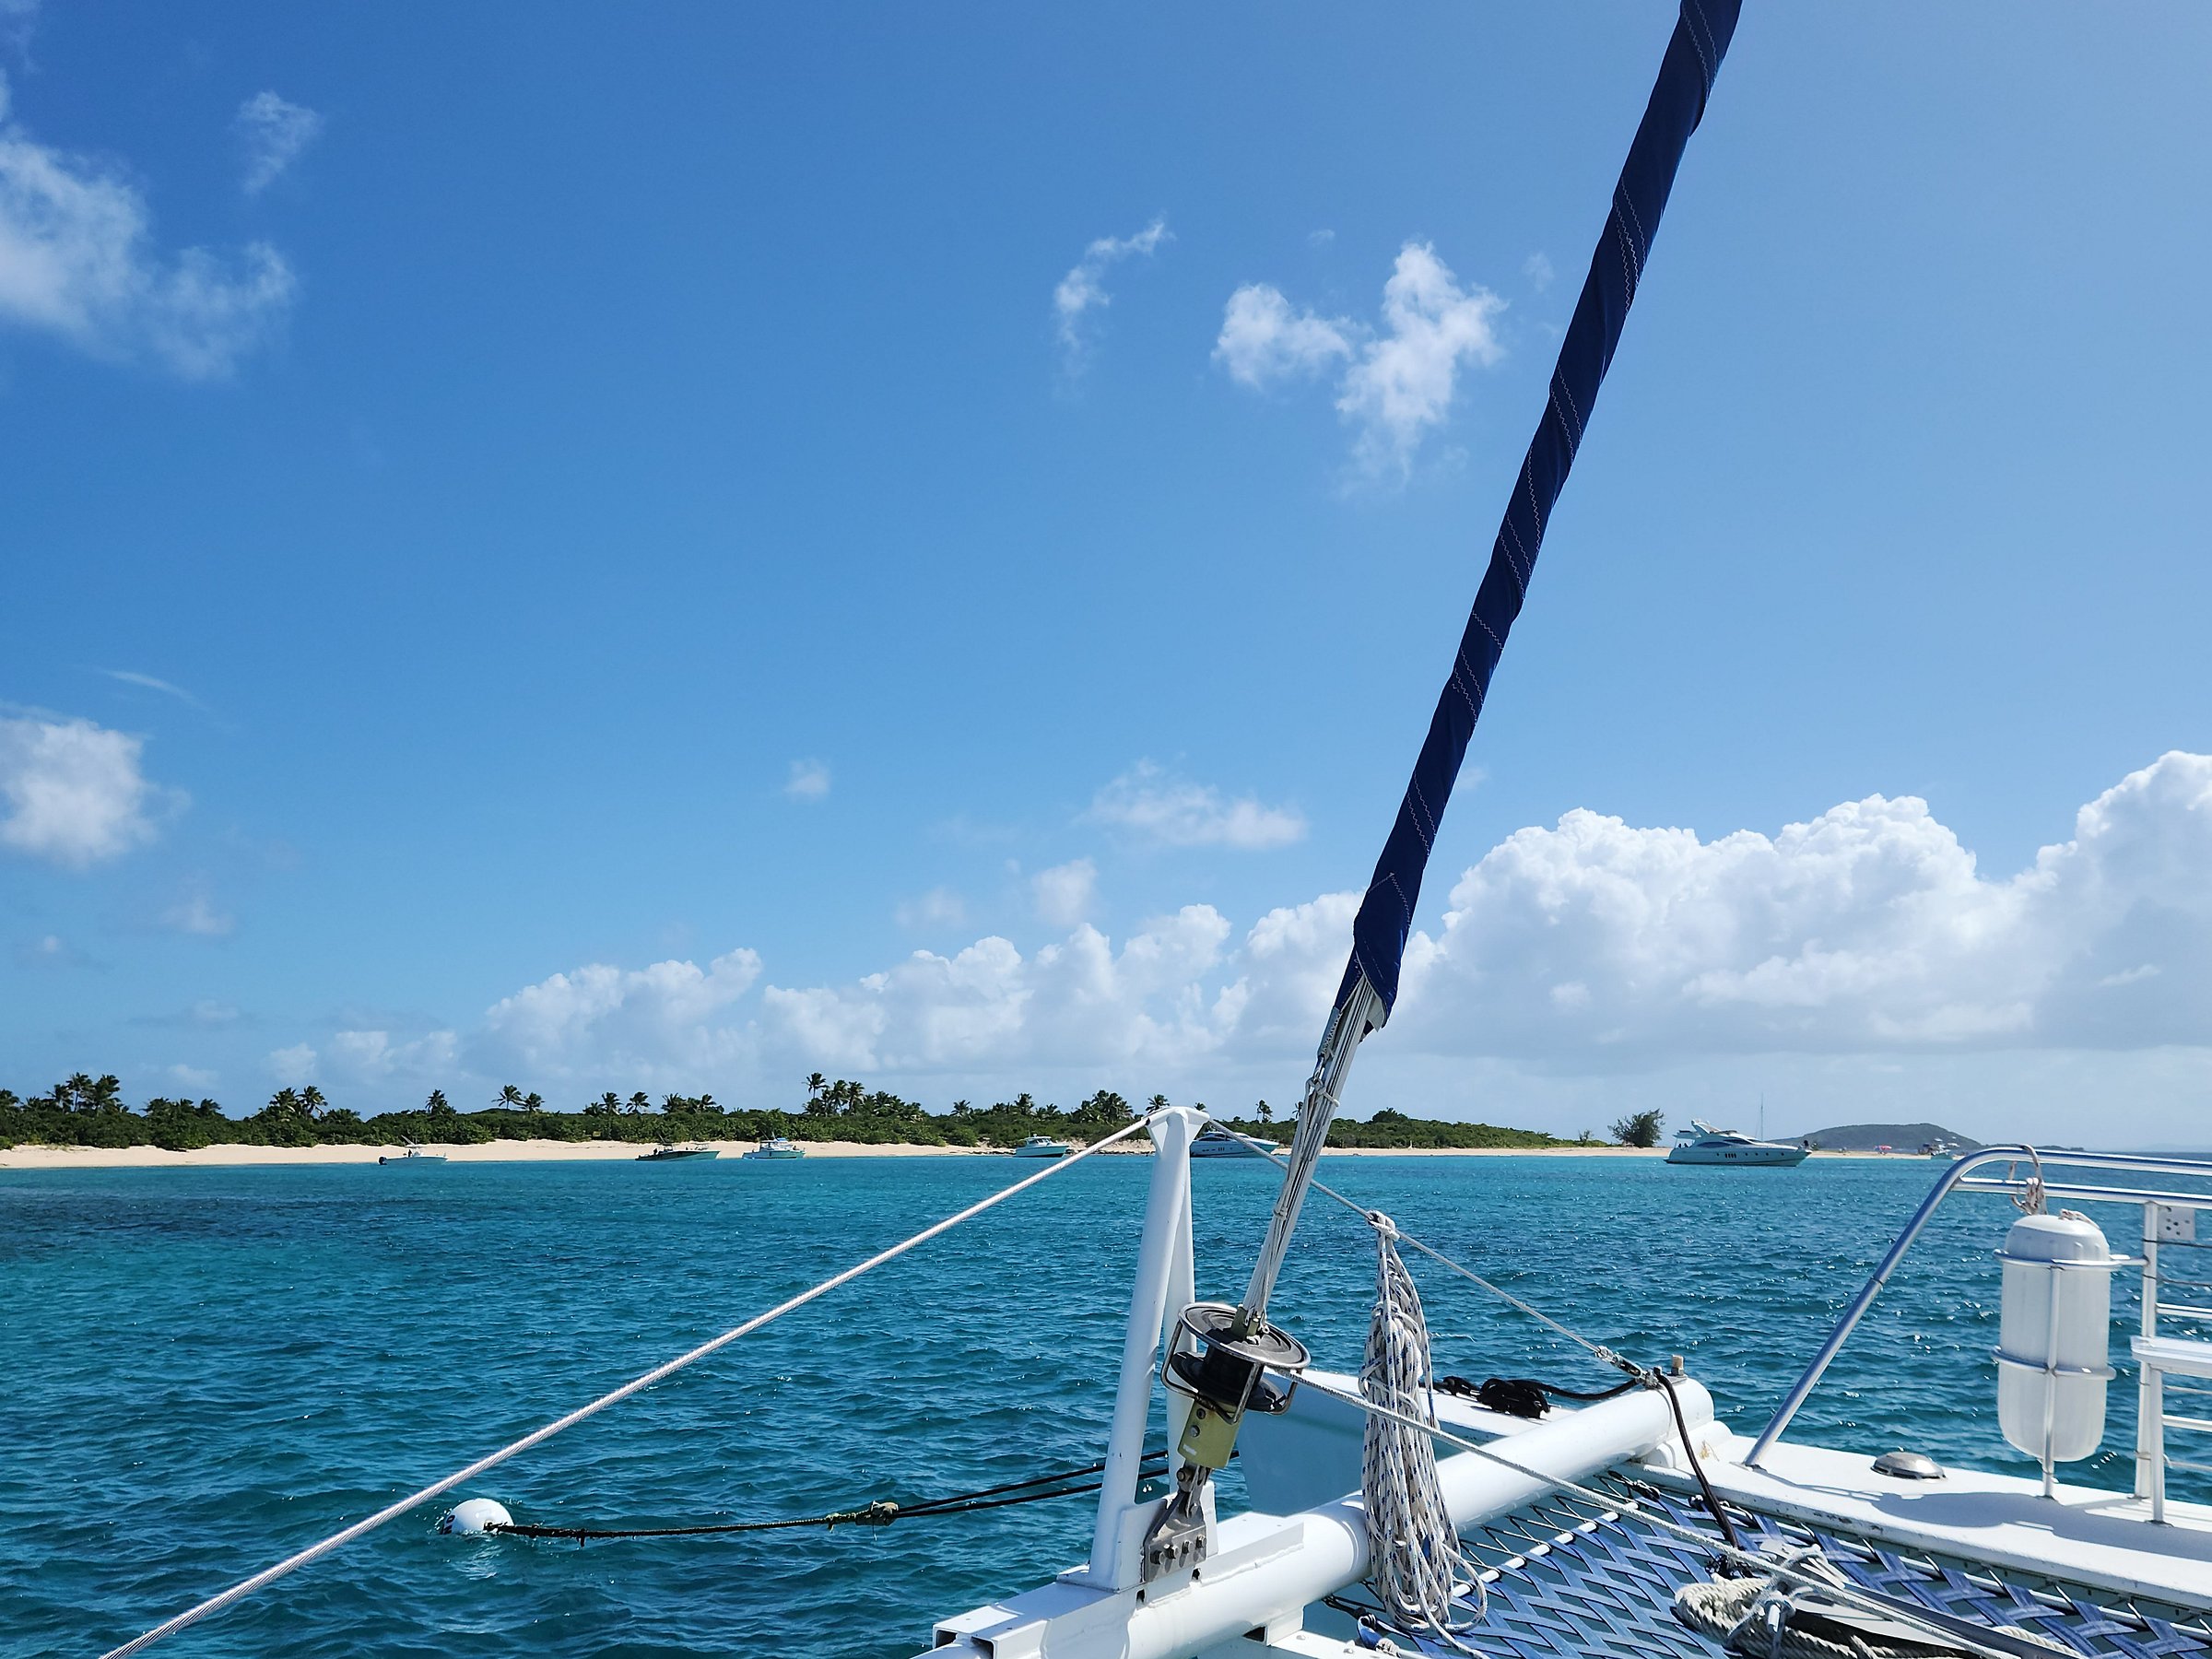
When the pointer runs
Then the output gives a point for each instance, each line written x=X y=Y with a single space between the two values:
x=1414 y=1560
x=314 y=1552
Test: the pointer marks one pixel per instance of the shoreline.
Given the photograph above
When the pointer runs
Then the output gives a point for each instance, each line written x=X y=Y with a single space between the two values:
x=35 y=1158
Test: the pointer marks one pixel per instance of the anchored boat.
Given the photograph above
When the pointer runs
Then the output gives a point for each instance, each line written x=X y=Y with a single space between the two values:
x=1702 y=1144
x=1042 y=1145
x=669 y=1153
x=775 y=1148
x=1213 y=1141
x=413 y=1154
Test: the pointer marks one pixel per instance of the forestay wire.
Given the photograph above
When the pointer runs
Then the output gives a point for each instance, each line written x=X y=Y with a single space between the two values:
x=438 y=1489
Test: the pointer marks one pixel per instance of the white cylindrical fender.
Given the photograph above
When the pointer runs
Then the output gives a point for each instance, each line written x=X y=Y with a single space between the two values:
x=2054 y=1342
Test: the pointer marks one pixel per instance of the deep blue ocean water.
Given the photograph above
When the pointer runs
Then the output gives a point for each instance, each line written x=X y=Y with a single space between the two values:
x=202 y=1370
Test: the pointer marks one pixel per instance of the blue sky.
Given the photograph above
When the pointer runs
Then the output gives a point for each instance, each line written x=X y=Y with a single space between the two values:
x=501 y=517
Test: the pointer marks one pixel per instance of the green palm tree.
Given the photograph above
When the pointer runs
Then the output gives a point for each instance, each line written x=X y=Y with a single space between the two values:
x=1160 y=1103
x=436 y=1105
x=640 y=1101
x=816 y=1083
x=534 y=1102
x=311 y=1102
x=508 y=1096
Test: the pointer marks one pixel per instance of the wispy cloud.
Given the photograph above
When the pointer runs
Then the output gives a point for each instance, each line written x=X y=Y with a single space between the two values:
x=294 y=1066
x=1537 y=269
x=1083 y=291
x=272 y=132
x=77 y=263
x=131 y=677
x=809 y=781
x=196 y=914
x=1148 y=803
x=940 y=907
x=50 y=950
x=1398 y=381
x=73 y=792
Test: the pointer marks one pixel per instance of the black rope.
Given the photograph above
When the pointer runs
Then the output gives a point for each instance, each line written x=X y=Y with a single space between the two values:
x=1696 y=1467
x=881 y=1512
x=1525 y=1397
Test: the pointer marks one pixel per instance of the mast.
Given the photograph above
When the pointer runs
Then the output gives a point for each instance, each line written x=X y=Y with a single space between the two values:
x=1370 y=987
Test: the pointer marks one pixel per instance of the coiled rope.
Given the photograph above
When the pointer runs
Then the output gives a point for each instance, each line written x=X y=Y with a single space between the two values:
x=1414 y=1562
x=438 y=1489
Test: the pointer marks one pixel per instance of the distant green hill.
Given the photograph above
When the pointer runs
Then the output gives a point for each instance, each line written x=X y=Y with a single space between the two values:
x=1897 y=1137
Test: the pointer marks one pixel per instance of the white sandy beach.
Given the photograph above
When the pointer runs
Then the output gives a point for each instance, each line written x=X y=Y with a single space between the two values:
x=546 y=1151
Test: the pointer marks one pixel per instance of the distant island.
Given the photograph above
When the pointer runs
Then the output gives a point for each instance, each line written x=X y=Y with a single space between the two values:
x=84 y=1110
x=1897 y=1137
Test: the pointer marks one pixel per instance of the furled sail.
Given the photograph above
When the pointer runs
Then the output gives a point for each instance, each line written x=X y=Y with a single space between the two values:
x=1369 y=988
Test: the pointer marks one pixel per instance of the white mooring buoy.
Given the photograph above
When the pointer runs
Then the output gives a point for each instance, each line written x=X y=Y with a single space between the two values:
x=474 y=1515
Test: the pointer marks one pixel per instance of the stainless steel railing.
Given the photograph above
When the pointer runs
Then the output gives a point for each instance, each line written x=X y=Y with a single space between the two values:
x=1955 y=1179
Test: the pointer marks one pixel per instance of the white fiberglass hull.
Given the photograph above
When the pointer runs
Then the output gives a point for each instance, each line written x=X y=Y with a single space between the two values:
x=1762 y=1156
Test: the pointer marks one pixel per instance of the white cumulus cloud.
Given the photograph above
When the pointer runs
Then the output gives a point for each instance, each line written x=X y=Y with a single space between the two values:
x=78 y=262
x=1263 y=340
x=272 y=132
x=671 y=1014
x=1083 y=289
x=1148 y=802
x=809 y=781
x=1398 y=380
x=1065 y=892
x=1870 y=928
x=1403 y=382
x=73 y=791
x=1864 y=944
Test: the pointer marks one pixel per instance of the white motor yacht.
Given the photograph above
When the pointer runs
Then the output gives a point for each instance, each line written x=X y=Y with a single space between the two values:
x=1702 y=1144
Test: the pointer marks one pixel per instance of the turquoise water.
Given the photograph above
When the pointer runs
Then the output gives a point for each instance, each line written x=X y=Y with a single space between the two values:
x=206 y=1370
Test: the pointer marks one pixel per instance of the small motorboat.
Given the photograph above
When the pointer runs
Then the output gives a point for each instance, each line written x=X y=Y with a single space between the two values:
x=776 y=1146
x=667 y=1153
x=413 y=1154
x=1042 y=1145
x=1702 y=1144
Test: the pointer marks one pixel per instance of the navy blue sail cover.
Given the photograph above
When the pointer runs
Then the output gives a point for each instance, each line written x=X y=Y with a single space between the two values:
x=1693 y=58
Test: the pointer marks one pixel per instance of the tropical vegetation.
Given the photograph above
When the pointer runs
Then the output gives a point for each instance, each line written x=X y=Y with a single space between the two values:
x=84 y=1110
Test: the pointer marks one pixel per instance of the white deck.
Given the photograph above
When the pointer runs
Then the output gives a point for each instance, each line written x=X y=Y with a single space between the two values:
x=2098 y=1539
